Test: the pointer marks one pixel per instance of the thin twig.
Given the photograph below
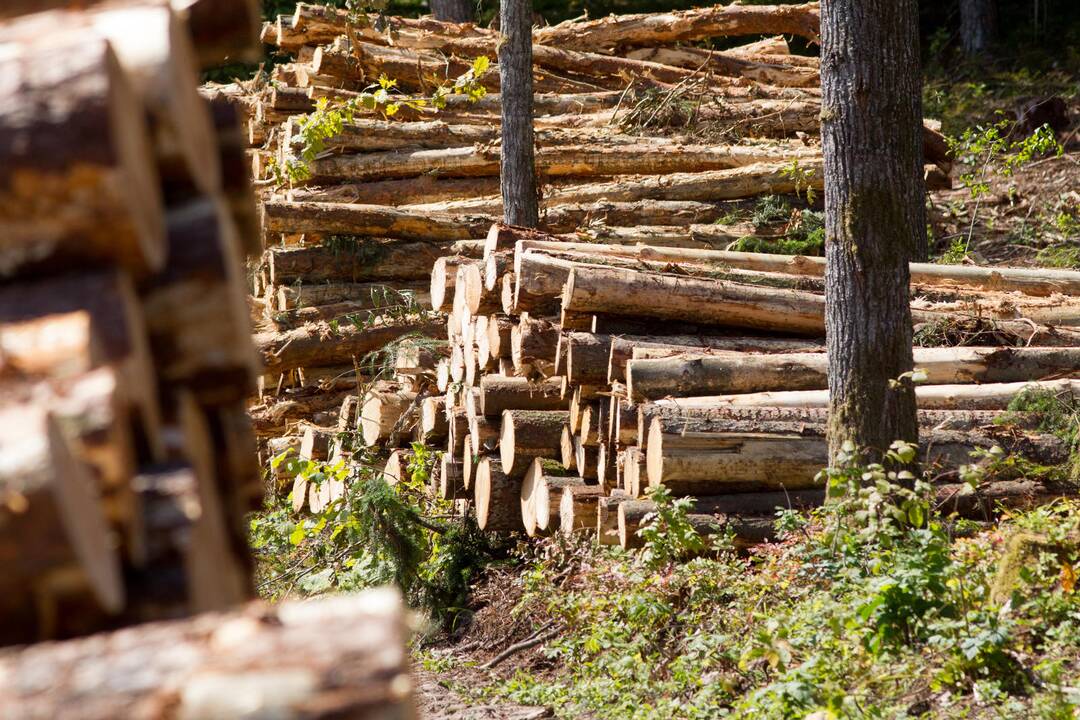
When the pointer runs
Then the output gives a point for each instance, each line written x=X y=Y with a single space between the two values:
x=523 y=645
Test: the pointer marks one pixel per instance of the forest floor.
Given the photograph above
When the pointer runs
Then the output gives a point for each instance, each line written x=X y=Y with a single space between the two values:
x=633 y=640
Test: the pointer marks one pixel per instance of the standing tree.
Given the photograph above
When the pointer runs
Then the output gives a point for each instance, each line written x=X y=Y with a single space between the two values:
x=978 y=25
x=875 y=219
x=453 y=10
x=518 y=176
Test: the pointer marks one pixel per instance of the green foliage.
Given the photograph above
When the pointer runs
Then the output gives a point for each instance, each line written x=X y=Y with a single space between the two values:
x=875 y=606
x=375 y=534
x=384 y=98
x=668 y=535
x=988 y=151
x=804 y=232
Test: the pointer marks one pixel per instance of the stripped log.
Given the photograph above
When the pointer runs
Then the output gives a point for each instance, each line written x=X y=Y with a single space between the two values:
x=610 y=33
x=727 y=373
x=596 y=159
x=623 y=347
x=698 y=461
x=989 y=396
x=365 y=262
x=318 y=345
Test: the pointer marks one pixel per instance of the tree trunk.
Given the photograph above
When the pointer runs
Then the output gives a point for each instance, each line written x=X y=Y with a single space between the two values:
x=875 y=217
x=518 y=171
x=458 y=11
x=978 y=26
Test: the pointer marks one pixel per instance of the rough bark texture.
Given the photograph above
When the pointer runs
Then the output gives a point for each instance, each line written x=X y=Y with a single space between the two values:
x=875 y=219
x=452 y=10
x=978 y=25
x=518 y=179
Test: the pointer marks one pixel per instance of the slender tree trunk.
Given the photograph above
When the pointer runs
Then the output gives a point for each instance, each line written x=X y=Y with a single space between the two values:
x=875 y=219
x=978 y=25
x=453 y=10
x=518 y=179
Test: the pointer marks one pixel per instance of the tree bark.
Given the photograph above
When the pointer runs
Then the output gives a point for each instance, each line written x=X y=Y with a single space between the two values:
x=365 y=262
x=457 y=11
x=80 y=182
x=190 y=668
x=875 y=217
x=518 y=170
x=978 y=26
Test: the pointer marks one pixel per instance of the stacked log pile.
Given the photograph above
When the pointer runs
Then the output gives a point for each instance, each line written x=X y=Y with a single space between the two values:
x=125 y=350
x=621 y=345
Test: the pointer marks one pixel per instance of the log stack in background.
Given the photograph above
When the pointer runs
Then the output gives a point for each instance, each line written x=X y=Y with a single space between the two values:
x=620 y=345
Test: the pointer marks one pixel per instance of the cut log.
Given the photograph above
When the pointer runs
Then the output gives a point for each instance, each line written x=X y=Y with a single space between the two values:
x=781 y=70
x=562 y=160
x=80 y=184
x=433 y=425
x=316 y=442
x=611 y=33
x=673 y=297
x=699 y=462
x=1031 y=281
x=529 y=434
x=607 y=517
x=533 y=343
x=52 y=521
x=397 y=467
x=368 y=221
x=484 y=433
x=373 y=295
x=548 y=500
x=222 y=31
x=452 y=479
x=444 y=280
x=499 y=393
x=728 y=373
x=319 y=345
x=577 y=508
x=623 y=347
x=587 y=357
x=195 y=308
x=533 y=484
x=497 y=498
x=66 y=326
x=746 y=529
x=366 y=261
x=990 y=396
x=228 y=665
x=760 y=178
x=382 y=412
